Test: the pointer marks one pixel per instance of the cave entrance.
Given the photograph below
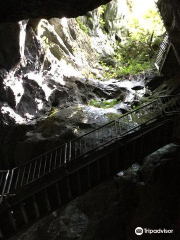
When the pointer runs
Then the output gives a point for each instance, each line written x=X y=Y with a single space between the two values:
x=133 y=29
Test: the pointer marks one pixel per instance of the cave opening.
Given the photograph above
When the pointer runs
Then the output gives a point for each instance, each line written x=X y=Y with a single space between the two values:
x=75 y=74
x=81 y=106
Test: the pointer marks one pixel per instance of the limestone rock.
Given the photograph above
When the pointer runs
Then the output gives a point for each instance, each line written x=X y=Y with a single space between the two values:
x=116 y=17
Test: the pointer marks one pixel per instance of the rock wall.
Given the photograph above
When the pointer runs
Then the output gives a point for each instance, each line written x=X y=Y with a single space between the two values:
x=28 y=77
x=116 y=18
x=37 y=56
x=47 y=65
x=171 y=16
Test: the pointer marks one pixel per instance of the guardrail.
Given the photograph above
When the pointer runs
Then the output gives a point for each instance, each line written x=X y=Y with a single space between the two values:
x=4 y=186
x=170 y=103
x=165 y=44
x=38 y=167
x=162 y=52
x=58 y=157
x=115 y=129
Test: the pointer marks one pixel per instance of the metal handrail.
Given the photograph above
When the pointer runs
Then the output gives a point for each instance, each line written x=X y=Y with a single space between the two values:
x=4 y=174
x=38 y=167
x=162 y=52
x=60 y=156
x=117 y=132
x=169 y=95
x=170 y=103
x=128 y=113
x=165 y=43
x=63 y=145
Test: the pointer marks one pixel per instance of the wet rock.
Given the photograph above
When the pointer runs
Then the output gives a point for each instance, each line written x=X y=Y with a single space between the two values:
x=154 y=159
x=62 y=126
x=70 y=118
x=90 y=116
x=154 y=81
x=124 y=108
x=147 y=93
x=136 y=88
x=33 y=98
x=59 y=97
x=71 y=224
x=8 y=116
x=131 y=173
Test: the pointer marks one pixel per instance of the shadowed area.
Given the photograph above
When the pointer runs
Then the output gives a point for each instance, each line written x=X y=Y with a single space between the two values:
x=14 y=10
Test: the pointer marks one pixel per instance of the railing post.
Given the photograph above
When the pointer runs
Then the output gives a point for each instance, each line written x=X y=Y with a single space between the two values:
x=70 y=145
x=119 y=126
x=13 y=179
x=161 y=106
x=65 y=153
x=116 y=133
x=10 y=181
x=4 y=186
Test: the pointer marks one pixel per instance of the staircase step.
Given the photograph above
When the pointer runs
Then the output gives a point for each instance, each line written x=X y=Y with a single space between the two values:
x=64 y=184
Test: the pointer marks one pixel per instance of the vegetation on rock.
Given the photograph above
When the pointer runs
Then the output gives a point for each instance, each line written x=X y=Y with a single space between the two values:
x=136 y=51
x=103 y=103
x=102 y=10
x=82 y=26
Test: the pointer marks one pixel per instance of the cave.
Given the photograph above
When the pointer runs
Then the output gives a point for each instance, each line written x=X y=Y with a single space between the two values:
x=89 y=120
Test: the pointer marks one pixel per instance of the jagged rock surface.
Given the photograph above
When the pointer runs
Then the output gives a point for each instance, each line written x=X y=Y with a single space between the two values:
x=52 y=64
x=71 y=117
x=171 y=16
x=116 y=18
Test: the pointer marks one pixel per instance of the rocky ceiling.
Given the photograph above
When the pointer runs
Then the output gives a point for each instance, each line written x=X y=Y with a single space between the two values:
x=170 y=12
x=15 y=10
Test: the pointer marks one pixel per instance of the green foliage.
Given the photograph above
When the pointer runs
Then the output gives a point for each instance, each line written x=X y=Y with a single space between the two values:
x=103 y=103
x=90 y=22
x=138 y=50
x=132 y=57
x=92 y=75
x=102 y=10
x=82 y=26
x=132 y=66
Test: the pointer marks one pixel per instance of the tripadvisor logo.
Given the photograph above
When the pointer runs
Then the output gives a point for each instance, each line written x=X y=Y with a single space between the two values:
x=140 y=231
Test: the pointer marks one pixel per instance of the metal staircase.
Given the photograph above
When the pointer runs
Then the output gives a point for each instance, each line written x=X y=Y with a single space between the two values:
x=165 y=45
x=40 y=186
x=163 y=51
